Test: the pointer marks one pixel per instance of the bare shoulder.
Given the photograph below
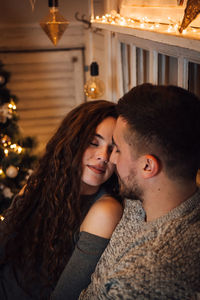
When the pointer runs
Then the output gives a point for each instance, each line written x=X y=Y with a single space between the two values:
x=103 y=217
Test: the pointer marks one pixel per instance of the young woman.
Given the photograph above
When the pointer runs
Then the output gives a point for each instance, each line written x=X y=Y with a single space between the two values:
x=68 y=207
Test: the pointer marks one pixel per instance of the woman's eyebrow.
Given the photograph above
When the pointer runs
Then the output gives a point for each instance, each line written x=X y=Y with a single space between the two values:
x=99 y=136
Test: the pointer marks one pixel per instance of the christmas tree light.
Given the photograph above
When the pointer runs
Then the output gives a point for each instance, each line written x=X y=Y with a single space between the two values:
x=16 y=159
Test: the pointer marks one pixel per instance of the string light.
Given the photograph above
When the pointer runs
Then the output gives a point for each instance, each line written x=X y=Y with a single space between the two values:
x=11 y=147
x=144 y=23
x=12 y=105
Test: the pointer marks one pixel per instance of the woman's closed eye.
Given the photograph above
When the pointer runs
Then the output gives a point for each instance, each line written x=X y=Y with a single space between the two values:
x=94 y=143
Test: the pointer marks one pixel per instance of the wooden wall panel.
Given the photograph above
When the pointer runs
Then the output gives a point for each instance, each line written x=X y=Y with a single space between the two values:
x=48 y=85
x=31 y=36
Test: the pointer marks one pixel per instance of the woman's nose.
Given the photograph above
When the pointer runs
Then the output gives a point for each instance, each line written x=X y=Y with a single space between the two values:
x=103 y=155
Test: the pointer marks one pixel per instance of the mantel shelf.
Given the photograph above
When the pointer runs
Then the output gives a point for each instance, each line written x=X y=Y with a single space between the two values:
x=181 y=40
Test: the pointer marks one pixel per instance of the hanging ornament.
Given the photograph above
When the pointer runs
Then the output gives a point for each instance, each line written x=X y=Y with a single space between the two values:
x=32 y=4
x=54 y=24
x=7 y=192
x=94 y=87
x=191 y=11
x=11 y=171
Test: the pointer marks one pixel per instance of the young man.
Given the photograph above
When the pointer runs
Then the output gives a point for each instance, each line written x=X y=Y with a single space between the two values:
x=154 y=252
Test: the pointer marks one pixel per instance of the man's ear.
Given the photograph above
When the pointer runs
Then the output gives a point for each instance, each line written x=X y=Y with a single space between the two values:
x=151 y=166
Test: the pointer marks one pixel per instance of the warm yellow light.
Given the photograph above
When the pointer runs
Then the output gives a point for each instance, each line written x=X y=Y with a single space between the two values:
x=16 y=148
x=145 y=23
x=19 y=149
x=1 y=172
x=170 y=28
x=1 y=218
x=176 y=26
x=94 y=88
x=122 y=23
x=13 y=146
x=6 y=152
x=12 y=105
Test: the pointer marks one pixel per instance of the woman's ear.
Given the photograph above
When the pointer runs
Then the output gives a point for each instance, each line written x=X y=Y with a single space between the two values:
x=151 y=166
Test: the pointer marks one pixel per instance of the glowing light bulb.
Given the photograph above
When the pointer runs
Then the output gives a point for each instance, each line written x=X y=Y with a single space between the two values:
x=94 y=87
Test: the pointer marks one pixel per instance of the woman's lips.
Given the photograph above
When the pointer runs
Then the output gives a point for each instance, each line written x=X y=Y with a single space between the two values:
x=97 y=169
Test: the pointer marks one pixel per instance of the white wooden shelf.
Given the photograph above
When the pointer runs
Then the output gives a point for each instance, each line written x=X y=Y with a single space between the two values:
x=188 y=41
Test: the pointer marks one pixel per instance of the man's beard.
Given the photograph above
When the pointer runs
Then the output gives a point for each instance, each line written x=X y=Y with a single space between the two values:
x=129 y=188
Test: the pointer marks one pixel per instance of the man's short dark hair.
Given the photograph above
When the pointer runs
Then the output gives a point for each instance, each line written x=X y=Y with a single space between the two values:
x=166 y=121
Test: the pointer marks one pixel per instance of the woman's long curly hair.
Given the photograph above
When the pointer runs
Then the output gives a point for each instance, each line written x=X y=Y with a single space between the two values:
x=43 y=220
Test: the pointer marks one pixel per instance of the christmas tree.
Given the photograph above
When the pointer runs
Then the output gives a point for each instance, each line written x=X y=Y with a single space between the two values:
x=16 y=152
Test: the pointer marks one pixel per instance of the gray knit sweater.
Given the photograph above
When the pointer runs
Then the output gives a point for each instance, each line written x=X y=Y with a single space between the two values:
x=154 y=260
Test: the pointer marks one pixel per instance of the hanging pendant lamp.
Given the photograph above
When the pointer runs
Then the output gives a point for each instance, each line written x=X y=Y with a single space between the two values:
x=94 y=87
x=54 y=24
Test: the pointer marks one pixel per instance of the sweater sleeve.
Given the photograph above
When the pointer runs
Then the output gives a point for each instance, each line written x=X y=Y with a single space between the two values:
x=77 y=273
